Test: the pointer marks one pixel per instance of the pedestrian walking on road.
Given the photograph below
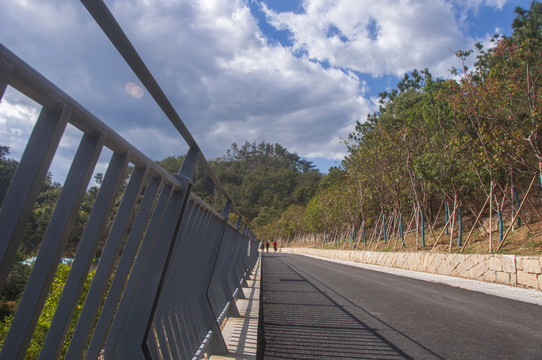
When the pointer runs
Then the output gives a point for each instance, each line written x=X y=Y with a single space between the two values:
x=275 y=245
x=267 y=245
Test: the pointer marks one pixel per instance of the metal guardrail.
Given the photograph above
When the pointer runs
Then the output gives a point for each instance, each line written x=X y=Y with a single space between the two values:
x=180 y=264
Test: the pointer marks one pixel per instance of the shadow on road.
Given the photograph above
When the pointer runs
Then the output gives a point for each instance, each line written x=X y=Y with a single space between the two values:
x=300 y=321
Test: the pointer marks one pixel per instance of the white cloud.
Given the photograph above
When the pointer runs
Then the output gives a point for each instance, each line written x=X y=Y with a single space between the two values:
x=227 y=80
x=71 y=138
x=385 y=37
x=230 y=85
x=476 y=4
x=155 y=143
x=47 y=16
x=17 y=118
x=288 y=100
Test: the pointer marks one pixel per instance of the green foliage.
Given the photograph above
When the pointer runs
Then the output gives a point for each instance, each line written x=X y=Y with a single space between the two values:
x=283 y=225
x=266 y=216
x=528 y=25
x=46 y=317
x=7 y=170
x=265 y=175
x=41 y=214
x=315 y=214
x=264 y=180
x=13 y=288
x=501 y=98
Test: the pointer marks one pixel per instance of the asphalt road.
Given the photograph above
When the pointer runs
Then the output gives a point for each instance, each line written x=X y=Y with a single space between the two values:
x=314 y=309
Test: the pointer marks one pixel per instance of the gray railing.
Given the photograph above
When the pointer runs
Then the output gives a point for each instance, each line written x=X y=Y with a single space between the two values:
x=171 y=266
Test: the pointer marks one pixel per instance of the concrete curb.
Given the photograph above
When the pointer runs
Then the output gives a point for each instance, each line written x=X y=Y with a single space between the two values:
x=505 y=291
x=514 y=270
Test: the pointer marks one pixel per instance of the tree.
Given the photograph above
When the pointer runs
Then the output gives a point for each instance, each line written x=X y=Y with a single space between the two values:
x=263 y=180
x=7 y=170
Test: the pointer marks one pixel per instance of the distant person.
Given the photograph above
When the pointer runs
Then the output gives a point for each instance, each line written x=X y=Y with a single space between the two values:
x=275 y=246
x=267 y=245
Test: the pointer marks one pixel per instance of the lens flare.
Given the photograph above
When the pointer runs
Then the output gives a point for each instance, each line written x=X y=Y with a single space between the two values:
x=134 y=90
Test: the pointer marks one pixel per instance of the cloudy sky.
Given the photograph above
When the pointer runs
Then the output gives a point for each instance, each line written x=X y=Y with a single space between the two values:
x=294 y=72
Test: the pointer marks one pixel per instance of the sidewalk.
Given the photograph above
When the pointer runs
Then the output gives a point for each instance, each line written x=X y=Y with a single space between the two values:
x=241 y=333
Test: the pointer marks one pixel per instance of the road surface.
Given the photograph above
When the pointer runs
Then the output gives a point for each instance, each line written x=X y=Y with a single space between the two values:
x=314 y=309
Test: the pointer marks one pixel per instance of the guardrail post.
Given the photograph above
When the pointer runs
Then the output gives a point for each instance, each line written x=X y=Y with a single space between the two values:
x=141 y=306
x=235 y=272
x=216 y=343
x=26 y=183
x=136 y=272
x=50 y=251
x=170 y=327
x=5 y=73
x=86 y=320
x=219 y=288
x=85 y=252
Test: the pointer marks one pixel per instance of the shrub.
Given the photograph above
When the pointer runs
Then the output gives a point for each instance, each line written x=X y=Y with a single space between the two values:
x=46 y=317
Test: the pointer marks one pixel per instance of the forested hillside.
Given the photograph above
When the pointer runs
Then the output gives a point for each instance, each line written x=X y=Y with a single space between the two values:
x=264 y=180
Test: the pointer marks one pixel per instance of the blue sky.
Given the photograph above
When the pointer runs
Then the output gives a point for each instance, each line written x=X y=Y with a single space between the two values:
x=298 y=73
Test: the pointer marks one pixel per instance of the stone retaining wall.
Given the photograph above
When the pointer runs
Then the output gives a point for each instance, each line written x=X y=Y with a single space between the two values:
x=524 y=271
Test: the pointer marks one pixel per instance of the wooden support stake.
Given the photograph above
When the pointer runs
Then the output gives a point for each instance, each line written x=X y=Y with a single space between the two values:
x=357 y=240
x=435 y=222
x=445 y=227
x=417 y=225
x=517 y=213
x=360 y=233
x=453 y=224
x=408 y=229
x=490 y=216
x=442 y=232
x=522 y=219
x=476 y=221
x=388 y=230
x=531 y=203
x=375 y=229
x=397 y=218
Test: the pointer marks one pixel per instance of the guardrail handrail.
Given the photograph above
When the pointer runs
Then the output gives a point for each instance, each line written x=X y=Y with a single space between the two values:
x=113 y=31
x=171 y=265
